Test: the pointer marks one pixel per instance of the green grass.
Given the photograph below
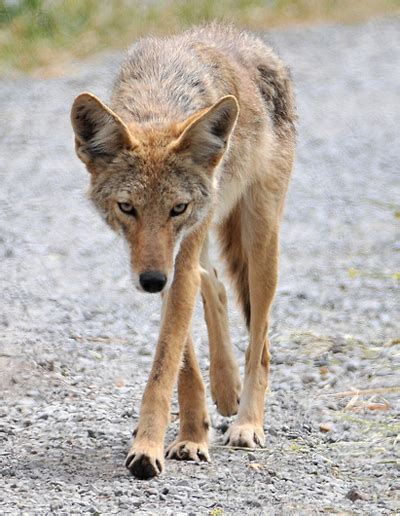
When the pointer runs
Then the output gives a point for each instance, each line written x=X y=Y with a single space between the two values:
x=44 y=35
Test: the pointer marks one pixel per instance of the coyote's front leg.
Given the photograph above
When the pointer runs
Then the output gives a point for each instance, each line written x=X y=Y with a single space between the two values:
x=146 y=455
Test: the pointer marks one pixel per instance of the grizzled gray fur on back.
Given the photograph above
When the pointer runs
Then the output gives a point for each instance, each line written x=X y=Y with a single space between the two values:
x=181 y=74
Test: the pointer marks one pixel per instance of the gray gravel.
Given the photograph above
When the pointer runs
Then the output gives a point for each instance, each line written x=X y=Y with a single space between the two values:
x=77 y=341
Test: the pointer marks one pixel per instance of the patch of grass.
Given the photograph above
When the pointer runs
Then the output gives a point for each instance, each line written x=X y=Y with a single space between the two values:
x=44 y=34
x=354 y=273
x=385 y=425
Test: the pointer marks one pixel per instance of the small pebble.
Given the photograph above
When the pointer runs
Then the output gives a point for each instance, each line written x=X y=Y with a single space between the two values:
x=355 y=494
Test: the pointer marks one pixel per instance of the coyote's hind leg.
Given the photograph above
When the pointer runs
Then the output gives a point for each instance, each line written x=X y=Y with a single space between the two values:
x=192 y=441
x=224 y=372
x=260 y=215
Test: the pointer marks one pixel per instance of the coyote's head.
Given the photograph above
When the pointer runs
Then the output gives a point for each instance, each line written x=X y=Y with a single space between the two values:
x=155 y=185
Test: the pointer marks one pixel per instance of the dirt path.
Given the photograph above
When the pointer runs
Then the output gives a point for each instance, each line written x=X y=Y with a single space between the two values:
x=76 y=343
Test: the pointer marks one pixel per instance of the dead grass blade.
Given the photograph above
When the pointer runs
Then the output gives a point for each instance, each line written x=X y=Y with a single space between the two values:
x=363 y=392
x=102 y=340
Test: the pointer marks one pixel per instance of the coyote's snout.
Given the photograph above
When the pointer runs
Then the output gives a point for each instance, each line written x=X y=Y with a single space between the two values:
x=199 y=132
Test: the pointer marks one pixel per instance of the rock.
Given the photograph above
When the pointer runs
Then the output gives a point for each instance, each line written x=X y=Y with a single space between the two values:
x=352 y=365
x=309 y=378
x=183 y=483
x=326 y=427
x=355 y=494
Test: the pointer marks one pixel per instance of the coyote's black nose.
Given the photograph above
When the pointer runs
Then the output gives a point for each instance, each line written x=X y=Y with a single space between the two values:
x=153 y=281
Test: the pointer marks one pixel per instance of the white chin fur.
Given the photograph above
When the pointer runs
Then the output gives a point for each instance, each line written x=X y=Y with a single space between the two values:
x=177 y=246
x=169 y=281
x=135 y=281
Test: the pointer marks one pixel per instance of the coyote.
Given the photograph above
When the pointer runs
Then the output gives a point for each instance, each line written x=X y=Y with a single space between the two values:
x=200 y=134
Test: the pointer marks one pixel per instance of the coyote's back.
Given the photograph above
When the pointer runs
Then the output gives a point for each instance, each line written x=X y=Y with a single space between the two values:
x=170 y=78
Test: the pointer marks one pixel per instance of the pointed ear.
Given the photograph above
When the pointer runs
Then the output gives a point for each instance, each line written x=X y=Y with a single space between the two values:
x=205 y=136
x=99 y=132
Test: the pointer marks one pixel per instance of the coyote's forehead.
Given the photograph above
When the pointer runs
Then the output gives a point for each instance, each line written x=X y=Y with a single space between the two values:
x=152 y=179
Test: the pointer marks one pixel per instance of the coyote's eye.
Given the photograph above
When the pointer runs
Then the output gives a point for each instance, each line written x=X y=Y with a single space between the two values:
x=178 y=209
x=127 y=208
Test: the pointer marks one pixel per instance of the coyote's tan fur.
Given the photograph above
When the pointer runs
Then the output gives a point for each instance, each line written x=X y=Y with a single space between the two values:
x=200 y=133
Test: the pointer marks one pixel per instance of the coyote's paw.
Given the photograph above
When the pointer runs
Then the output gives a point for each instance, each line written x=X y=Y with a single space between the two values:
x=244 y=436
x=144 y=461
x=225 y=389
x=188 y=450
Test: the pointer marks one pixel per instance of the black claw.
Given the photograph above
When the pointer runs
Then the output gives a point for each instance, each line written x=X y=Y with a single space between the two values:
x=134 y=432
x=256 y=439
x=129 y=459
x=158 y=464
x=201 y=456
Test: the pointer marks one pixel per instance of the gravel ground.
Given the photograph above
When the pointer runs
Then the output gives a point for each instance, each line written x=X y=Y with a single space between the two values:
x=77 y=341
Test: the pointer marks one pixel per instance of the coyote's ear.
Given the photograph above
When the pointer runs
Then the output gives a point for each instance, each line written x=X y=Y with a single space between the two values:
x=99 y=133
x=206 y=135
